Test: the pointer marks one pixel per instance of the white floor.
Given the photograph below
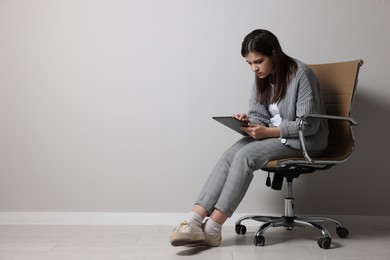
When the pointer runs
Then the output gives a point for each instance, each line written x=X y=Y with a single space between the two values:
x=54 y=242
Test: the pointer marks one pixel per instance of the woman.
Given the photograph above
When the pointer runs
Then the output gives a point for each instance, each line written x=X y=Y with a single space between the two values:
x=284 y=90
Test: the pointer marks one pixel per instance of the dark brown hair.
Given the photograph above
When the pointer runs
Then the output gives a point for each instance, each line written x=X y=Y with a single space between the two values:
x=266 y=43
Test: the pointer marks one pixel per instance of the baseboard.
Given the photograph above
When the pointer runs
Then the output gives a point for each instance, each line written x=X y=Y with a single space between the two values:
x=139 y=218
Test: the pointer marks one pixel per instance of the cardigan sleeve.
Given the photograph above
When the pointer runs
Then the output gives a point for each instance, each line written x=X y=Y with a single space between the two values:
x=307 y=101
x=258 y=114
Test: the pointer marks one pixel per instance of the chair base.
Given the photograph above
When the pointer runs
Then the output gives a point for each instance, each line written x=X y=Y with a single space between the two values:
x=289 y=223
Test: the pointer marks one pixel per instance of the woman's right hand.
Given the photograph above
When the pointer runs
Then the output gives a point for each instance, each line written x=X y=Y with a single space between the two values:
x=242 y=117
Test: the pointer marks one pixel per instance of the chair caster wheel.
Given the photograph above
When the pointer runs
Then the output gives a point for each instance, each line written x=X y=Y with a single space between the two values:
x=342 y=232
x=259 y=240
x=324 y=242
x=240 y=229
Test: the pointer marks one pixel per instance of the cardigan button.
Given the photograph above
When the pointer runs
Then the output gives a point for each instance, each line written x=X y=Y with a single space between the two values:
x=283 y=141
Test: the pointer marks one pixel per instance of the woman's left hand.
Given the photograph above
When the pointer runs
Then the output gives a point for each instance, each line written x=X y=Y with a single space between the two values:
x=259 y=132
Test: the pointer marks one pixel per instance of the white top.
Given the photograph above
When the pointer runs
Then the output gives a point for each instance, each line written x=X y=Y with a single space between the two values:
x=274 y=111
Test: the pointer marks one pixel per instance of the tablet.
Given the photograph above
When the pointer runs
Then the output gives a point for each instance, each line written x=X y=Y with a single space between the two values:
x=232 y=122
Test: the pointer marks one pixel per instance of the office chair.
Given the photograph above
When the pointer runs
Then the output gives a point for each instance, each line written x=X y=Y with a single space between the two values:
x=338 y=83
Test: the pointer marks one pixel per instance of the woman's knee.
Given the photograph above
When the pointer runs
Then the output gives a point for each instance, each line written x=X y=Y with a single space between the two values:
x=229 y=155
x=245 y=160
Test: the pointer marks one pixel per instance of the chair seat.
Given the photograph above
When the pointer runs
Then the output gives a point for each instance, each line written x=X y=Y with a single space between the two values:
x=330 y=157
x=279 y=164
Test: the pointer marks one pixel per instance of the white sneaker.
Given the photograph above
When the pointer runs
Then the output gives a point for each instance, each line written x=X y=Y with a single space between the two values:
x=187 y=233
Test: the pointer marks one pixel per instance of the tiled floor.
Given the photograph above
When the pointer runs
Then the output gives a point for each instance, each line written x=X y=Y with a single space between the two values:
x=40 y=242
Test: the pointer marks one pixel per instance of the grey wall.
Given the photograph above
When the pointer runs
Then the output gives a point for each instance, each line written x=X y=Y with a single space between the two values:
x=106 y=105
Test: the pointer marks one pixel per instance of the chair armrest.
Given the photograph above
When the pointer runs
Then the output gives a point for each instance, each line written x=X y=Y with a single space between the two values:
x=300 y=131
x=350 y=119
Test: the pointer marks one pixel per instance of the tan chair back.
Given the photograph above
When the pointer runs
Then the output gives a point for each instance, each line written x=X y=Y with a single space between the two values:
x=338 y=82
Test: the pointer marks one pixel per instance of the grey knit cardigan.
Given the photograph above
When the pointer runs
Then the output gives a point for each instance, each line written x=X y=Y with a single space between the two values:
x=303 y=97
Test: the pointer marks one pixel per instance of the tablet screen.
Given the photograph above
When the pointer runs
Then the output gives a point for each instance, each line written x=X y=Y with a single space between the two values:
x=232 y=122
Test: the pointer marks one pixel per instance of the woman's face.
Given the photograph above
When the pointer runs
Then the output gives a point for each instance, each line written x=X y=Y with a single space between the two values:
x=261 y=65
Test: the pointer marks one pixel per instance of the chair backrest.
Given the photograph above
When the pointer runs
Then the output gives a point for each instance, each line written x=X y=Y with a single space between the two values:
x=338 y=83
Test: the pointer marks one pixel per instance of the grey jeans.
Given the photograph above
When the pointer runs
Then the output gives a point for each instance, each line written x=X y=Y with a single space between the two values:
x=230 y=179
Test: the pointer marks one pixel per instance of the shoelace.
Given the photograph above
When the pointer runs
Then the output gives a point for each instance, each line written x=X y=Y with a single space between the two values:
x=182 y=226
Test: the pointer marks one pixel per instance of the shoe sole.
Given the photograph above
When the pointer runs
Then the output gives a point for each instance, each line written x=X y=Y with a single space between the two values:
x=206 y=243
x=182 y=242
x=179 y=239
